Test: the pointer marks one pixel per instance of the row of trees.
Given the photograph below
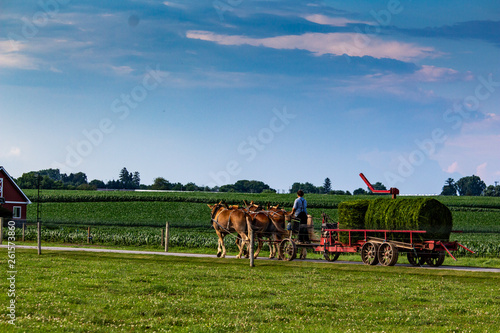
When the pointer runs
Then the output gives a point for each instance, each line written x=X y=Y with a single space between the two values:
x=470 y=185
x=54 y=179
x=310 y=188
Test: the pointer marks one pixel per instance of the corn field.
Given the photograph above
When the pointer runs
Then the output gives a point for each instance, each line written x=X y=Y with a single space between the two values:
x=136 y=218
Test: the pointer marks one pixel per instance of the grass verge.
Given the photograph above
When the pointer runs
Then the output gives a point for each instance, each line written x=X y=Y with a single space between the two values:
x=101 y=292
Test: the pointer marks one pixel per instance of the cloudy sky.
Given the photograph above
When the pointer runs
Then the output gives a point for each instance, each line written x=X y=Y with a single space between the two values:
x=212 y=92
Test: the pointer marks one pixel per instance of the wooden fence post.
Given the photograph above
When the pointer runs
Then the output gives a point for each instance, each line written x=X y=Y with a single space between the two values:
x=167 y=227
x=162 y=237
x=24 y=230
x=1 y=230
x=39 y=237
x=252 y=240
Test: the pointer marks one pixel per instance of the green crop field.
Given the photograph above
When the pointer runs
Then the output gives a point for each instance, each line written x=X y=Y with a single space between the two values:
x=102 y=292
x=124 y=218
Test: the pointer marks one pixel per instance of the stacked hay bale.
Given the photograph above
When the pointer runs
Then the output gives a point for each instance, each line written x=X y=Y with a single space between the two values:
x=410 y=214
x=351 y=215
x=397 y=214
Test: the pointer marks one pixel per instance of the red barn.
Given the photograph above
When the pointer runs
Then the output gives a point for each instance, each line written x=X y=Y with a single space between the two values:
x=11 y=196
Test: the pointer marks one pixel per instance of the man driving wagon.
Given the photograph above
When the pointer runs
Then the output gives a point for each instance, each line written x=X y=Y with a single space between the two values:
x=299 y=212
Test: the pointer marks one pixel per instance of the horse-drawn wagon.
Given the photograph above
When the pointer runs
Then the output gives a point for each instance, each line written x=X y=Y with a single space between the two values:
x=373 y=249
x=417 y=227
x=427 y=244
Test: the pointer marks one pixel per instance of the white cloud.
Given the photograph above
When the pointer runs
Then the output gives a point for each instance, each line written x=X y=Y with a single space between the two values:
x=333 y=21
x=12 y=152
x=122 y=70
x=11 y=58
x=351 y=44
x=452 y=168
x=174 y=5
x=405 y=84
x=434 y=74
x=481 y=170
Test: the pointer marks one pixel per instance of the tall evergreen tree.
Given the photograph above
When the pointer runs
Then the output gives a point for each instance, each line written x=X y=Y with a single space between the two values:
x=449 y=187
x=327 y=185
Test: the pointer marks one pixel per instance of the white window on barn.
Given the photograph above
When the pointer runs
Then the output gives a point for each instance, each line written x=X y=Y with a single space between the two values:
x=1 y=187
x=16 y=212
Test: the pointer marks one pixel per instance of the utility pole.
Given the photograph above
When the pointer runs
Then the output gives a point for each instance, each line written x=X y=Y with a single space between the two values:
x=38 y=222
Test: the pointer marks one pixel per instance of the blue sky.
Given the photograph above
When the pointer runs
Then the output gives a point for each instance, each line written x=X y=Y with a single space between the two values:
x=212 y=92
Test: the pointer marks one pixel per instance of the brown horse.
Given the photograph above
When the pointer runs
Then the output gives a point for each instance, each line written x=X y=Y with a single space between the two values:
x=226 y=221
x=280 y=217
x=268 y=225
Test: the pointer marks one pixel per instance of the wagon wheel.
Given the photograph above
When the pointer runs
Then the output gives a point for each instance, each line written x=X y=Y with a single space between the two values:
x=288 y=250
x=435 y=259
x=415 y=260
x=388 y=254
x=331 y=256
x=369 y=253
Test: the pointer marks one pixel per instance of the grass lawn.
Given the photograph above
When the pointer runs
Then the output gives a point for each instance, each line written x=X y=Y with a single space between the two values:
x=99 y=292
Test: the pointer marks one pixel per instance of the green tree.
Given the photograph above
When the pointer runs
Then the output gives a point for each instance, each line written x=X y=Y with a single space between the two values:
x=136 y=179
x=492 y=191
x=470 y=185
x=359 y=191
x=379 y=186
x=28 y=180
x=54 y=174
x=161 y=183
x=306 y=187
x=449 y=187
x=246 y=186
x=125 y=176
x=327 y=185
x=97 y=183
x=129 y=180
x=75 y=179
x=191 y=187
x=177 y=187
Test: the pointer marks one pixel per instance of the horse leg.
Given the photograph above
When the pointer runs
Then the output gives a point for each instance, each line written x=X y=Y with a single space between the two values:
x=238 y=243
x=303 y=253
x=219 y=249
x=220 y=243
x=272 y=248
x=259 y=247
x=244 y=241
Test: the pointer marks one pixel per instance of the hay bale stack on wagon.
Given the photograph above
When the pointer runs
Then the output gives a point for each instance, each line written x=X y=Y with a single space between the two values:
x=399 y=214
x=351 y=215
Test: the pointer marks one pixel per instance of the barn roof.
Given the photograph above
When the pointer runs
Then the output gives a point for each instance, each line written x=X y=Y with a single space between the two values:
x=13 y=183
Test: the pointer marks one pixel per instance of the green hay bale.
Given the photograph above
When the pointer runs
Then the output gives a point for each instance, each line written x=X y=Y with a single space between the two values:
x=410 y=214
x=351 y=215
